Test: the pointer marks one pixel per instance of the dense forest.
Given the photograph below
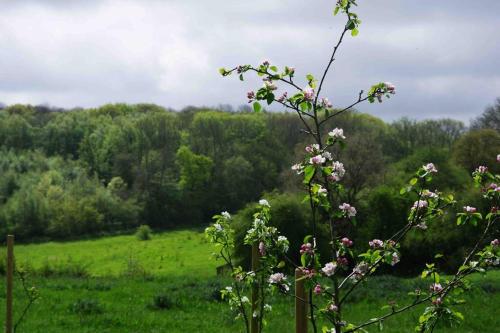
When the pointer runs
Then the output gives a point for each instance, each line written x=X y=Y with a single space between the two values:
x=68 y=173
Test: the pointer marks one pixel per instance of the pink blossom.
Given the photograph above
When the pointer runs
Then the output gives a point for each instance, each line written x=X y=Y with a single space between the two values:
x=317 y=160
x=298 y=168
x=360 y=270
x=421 y=226
x=349 y=210
x=391 y=88
x=338 y=172
x=329 y=269
x=322 y=190
x=482 y=169
x=337 y=133
x=429 y=194
x=277 y=278
x=346 y=242
x=326 y=103
x=437 y=301
x=430 y=168
x=470 y=209
x=333 y=308
x=317 y=289
x=327 y=155
x=270 y=85
x=308 y=273
x=495 y=242
x=262 y=249
x=282 y=98
x=311 y=148
x=306 y=248
x=420 y=204
x=498 y=158
x=251 y=96
x=395 y=258
x=376 y=244
x=435 y=287
x=265 y=62
x=333 y=178
x=342 y=261
x=308 y=93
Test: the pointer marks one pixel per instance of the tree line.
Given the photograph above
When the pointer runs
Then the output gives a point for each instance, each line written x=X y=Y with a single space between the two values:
x=67 y=173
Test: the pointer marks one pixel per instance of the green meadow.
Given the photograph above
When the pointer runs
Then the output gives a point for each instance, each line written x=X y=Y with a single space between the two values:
x=176 y=253
x=168 y=284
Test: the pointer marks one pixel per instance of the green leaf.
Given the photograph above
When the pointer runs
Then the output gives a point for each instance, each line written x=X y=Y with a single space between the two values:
x=336 y=11
x=270 y=98
x=257 y=107
x=350 y=25
x=354 y=32
x=308 y=173
x=273 y=68
x=241 y=77
x=413 y=181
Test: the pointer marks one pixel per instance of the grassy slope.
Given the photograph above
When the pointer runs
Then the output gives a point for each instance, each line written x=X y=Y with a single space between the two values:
x=175 y=253
x=190 y=287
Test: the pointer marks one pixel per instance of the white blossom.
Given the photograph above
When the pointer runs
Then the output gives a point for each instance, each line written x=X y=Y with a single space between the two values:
x=337 y=133
x=430 y=168
x=264 y=202
x=348 y=209
x=329 y=269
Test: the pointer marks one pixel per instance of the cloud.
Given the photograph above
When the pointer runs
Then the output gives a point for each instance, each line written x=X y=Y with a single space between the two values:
x=443 y=56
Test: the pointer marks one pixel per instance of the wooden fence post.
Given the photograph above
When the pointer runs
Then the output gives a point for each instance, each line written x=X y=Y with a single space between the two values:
x=10 y=274
x=254 y=321
x=300 y=303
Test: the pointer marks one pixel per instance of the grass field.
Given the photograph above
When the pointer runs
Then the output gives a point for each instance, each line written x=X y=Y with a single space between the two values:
x=109 y=301
x=175 y=253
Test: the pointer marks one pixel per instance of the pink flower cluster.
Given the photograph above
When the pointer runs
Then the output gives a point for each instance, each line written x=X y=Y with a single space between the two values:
x=435 y=287
x=283 y=97
x=342 y=261
x=470 y=209
x=317 y=160
x=317 y=289
x=391 y=88
x=395 y=258
x=430 y=168
x=494 y=187
x=277 y=278
x=430 y=194
x=376 y=244
x=348 y=210
x=482 y=169
x=329 y=269
x=420 y=204
x=346 y=242
x=337 y=133
x=308 y=93
x=338 y=171
x=325 y=103
x=306 y=248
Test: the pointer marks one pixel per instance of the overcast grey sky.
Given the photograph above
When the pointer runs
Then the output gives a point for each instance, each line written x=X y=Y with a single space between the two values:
x=443 y=56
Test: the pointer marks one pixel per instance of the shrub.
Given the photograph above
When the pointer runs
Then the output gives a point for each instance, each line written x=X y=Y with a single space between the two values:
x=162 y=301
x=143 y=232
x=85 y=307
